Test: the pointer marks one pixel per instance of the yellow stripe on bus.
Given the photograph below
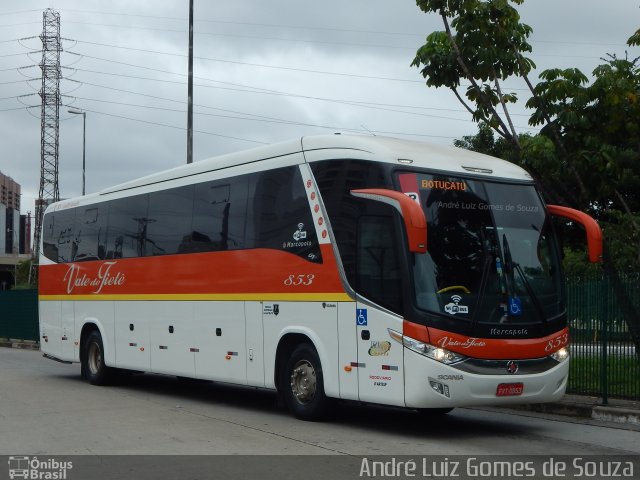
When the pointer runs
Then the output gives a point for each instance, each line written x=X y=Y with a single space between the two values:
x=291 y=297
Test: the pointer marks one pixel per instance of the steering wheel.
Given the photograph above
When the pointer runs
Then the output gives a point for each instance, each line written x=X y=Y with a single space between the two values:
x=454 y=287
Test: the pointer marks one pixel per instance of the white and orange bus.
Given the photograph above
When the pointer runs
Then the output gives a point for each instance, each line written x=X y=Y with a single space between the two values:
x=330 y=267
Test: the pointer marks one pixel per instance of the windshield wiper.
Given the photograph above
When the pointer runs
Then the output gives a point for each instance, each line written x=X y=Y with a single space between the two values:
x=510 y=266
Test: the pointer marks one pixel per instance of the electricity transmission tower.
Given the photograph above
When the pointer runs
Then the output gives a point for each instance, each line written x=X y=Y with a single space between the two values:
x=49 y=122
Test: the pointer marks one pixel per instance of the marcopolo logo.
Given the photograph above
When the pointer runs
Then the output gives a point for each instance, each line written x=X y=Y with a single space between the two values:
x=36 y=469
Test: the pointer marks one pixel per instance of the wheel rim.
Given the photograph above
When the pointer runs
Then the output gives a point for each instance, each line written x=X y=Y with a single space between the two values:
x=95 y=358
x=303 y=381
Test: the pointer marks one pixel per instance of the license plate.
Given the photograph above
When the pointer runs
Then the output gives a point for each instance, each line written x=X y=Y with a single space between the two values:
x=509 y=389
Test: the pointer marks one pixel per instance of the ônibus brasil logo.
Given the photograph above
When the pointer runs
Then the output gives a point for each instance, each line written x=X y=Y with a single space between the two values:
x=35 y=469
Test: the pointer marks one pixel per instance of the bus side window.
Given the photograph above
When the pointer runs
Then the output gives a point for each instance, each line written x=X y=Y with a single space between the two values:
x=279 y=216
x=377 y=269
x=219 y=216
x=49 y=242
x=64 y=235
x=169 y=222
x=128 y=222
x=91 y=232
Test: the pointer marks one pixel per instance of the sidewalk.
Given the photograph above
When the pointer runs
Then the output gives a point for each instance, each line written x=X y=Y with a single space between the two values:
x=616 y=411
x=23 y=344
x=581 y=406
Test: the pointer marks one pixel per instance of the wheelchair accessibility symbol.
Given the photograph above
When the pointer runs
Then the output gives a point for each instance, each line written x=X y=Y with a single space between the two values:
x=361 y=317
x=515 y=306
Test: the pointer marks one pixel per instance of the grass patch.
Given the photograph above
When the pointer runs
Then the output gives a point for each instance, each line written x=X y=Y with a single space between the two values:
x=623 y=376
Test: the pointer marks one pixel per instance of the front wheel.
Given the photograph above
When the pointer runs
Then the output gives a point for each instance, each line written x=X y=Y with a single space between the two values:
x=94 y=370
x=302 y=384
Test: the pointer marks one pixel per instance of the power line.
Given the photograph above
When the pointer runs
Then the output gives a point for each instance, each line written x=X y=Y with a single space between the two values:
x=346 y=103
x=253 y=37
x=17 y=81
x=235 y=62
x=252 y=24
x=2 y=14
x=310 y=27
x=18 y=96
x=251 y=89
x=168 y=126
x=263 y=119
x=18 y=54
x=20 y=108
x=368 y=105
x=17 y=68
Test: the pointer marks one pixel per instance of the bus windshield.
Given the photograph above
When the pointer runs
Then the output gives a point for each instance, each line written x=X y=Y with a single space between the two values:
x=491 y=257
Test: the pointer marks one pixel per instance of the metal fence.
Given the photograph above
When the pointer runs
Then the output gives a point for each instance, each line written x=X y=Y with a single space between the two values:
x=601 y=313
x=604 y=360
x=19 y=314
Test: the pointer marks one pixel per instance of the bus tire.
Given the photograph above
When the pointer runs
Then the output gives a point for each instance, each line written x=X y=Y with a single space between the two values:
x=302 y=384
x=93 y=369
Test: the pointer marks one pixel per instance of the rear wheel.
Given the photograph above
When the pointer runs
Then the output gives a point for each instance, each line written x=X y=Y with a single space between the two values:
x=94 y=370
x=302 y=384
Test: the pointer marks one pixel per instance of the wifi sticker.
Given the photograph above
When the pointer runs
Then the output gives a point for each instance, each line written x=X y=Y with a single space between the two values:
x=454 y=306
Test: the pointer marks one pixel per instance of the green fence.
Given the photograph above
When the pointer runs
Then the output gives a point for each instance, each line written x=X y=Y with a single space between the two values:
x=19 y=314
x=602 y=313
x=604 y=360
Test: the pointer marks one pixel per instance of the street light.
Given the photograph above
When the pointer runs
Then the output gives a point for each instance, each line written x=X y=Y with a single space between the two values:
x=75 y=111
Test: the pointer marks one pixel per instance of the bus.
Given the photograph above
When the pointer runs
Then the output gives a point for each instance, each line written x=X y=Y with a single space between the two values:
x=347 y=267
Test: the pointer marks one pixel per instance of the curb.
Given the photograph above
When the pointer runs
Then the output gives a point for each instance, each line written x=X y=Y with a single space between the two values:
x=614 y=414
x=21 y=344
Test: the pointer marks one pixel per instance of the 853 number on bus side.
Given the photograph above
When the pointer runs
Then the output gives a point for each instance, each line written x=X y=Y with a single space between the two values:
x=296 y=280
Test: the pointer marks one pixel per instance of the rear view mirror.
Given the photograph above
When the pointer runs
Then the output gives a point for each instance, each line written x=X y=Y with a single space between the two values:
x=414 y=219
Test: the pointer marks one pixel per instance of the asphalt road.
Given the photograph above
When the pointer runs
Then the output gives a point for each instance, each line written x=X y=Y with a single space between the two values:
x=46 y=409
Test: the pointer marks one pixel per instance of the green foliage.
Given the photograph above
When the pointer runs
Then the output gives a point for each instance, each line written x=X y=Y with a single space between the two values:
x=483 y=43
x=576 y=263
x=587 y=154
x=22 y=276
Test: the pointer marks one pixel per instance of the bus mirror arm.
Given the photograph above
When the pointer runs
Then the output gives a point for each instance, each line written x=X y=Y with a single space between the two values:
x=415 y=221
x=594 y=233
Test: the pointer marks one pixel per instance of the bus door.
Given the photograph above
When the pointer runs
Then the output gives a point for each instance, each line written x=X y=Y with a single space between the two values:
x=380 y=360
x=378 y=279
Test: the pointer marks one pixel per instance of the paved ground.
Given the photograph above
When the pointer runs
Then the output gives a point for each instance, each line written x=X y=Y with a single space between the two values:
x=153 y=426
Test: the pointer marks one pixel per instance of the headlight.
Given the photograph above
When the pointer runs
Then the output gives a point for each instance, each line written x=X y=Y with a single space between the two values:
x=561 y=355
x=436 y=353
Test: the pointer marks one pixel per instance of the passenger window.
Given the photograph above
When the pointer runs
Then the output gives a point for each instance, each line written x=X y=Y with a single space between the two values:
x=280 y=217
x=128 y=224
x=63 y=243
x=219 y=216
x=169 y=222
x=91 y=232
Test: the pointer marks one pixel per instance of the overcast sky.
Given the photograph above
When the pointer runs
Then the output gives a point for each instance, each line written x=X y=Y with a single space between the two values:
x=265 y=71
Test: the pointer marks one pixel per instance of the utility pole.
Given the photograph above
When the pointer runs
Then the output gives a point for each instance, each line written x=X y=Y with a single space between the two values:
x=49 y=124
x=190 y=89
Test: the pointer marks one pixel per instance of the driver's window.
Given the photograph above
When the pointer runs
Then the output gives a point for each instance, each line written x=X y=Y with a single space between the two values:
x=377 y=270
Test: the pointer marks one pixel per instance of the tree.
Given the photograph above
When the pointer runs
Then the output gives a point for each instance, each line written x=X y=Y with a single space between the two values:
x=587 y=154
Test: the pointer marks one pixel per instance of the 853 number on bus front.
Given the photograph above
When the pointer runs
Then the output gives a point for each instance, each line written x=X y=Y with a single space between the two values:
x=296 y=280
x=557 y=342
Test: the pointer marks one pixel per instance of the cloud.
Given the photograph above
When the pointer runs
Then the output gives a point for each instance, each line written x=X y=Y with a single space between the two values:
x=327 y=58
